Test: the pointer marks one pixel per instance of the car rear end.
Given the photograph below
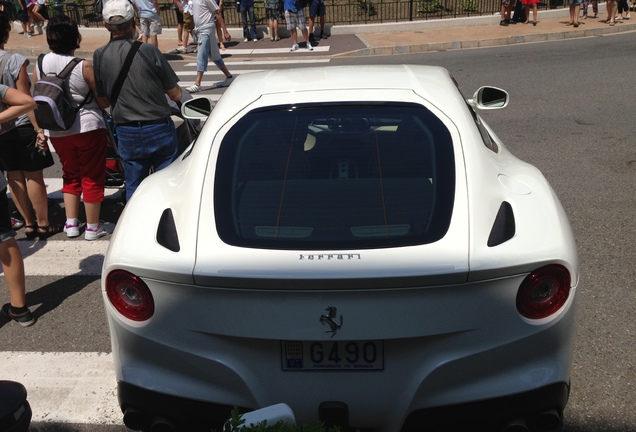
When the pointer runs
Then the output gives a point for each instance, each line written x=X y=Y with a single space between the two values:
x=332 y=272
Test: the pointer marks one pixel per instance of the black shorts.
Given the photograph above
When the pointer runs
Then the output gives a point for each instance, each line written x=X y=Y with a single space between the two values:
x=44 y=11
x=6 y=231
x=23 y=16
x=19 y=153
x=179 y=16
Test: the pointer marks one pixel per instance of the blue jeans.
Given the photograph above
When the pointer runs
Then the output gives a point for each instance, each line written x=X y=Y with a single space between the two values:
x=143 y=147
x=208 y=48
x=251 y=32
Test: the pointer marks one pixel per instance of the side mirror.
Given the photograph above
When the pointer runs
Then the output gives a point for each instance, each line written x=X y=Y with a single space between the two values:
x=489 y=98
x=197 y=108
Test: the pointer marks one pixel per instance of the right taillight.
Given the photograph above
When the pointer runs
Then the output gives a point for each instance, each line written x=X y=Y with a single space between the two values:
x=130 y=295
x=544 y=291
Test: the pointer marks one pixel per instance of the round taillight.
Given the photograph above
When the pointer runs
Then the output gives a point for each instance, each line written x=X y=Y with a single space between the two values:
x=544 y=291
x=130 y=295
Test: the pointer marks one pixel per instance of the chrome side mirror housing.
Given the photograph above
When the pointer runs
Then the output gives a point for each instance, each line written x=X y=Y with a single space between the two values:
x=197 y=109
x=489 y=98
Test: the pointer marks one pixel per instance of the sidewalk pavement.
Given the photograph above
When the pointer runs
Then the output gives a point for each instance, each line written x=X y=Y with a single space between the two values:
x=378 y=39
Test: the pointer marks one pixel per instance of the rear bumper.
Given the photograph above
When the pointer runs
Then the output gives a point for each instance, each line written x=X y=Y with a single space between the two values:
x=531 y=407
x=142 y=408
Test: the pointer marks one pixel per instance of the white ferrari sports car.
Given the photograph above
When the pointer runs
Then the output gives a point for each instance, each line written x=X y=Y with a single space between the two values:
x=354 y=242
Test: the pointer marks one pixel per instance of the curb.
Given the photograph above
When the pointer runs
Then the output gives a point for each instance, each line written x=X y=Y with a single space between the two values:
x=483 y=43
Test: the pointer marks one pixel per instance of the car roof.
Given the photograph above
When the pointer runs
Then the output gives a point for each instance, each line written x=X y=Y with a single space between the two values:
x=421 y=79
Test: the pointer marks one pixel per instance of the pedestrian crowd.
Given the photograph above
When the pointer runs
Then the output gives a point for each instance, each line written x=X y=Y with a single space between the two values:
x=128 y=91
x=209 y=16
x=616 y=10
x=127 y=81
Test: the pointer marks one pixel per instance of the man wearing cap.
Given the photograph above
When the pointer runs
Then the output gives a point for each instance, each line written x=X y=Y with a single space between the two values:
x=146 y=134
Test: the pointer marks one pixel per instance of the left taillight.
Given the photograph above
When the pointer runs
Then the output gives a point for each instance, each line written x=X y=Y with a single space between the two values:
x=544 y=291
x=130 y=295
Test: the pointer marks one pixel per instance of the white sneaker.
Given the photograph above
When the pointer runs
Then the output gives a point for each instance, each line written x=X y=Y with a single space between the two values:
x=294 y=47
x=309 y=47
x=27 y=35
x=181 y=49
x=225 y=83
x=71 y=230
x=245 y=40
x=38 y=29
x=94 y=234
x=193 y=88
x=255 y=40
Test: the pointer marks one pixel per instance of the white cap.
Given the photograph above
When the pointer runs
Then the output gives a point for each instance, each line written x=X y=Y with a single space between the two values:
x=118 y=11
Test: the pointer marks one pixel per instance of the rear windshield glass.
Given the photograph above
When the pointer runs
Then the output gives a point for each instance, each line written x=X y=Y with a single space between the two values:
x=326 y=177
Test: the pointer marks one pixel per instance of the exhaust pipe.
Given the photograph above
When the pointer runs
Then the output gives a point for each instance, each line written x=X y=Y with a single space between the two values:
x=516 y=425
x=548 y=421
x=134 y=419
x=162 y=425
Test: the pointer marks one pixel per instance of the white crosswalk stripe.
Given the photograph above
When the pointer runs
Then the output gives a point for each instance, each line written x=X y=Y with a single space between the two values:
x=261 y=51
x=72 y=257
x=66 y=387
x=216 y=72
x=250 y=62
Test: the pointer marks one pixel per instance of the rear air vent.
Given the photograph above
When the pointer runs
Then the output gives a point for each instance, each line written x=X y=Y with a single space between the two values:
x=167 y=232
x=504 y=227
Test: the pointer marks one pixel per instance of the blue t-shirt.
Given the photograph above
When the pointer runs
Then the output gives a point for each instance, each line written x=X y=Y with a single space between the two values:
x=290 y=5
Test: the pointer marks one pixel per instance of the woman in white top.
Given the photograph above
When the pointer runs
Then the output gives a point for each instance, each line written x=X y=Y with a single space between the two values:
x=81 y=148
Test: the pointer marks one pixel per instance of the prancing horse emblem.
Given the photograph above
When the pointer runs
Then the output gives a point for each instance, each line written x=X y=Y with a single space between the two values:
x=330 y=319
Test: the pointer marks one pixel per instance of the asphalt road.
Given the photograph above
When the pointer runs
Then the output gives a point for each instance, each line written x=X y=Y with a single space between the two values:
x=571 y=115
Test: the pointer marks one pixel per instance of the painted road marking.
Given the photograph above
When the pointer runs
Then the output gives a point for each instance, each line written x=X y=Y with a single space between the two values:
x=250 y=62
x=70 y=257
x=66 y=387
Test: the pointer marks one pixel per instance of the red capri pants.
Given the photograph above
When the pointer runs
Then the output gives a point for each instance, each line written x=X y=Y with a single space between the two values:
x=83 y=158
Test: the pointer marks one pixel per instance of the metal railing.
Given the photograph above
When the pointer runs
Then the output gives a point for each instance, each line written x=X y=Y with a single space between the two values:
x=339 y=12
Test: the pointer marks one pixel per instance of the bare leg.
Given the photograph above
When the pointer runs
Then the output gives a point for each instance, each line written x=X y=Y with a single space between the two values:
x=92 y=212
x=18 y=188
x=13 y=266
x=225 y=71
x=199 y=78
x=294 y=36
x=71 y=205
x=37 y=195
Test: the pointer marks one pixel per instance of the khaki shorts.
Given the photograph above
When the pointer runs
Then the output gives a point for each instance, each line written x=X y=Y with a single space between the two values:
x=188 y=22
x=150 y=27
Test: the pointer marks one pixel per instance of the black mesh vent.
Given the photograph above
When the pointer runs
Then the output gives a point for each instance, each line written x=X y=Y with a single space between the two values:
x=167 y=232
x=504 y=227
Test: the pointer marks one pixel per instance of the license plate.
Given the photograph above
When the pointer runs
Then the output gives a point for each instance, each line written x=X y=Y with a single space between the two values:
x=332 y=355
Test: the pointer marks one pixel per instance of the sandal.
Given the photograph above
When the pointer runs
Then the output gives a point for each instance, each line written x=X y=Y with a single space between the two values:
x=47 y=231
x=30 y=231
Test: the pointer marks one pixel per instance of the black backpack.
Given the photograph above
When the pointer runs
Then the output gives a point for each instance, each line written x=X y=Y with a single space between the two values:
x=56 y=110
